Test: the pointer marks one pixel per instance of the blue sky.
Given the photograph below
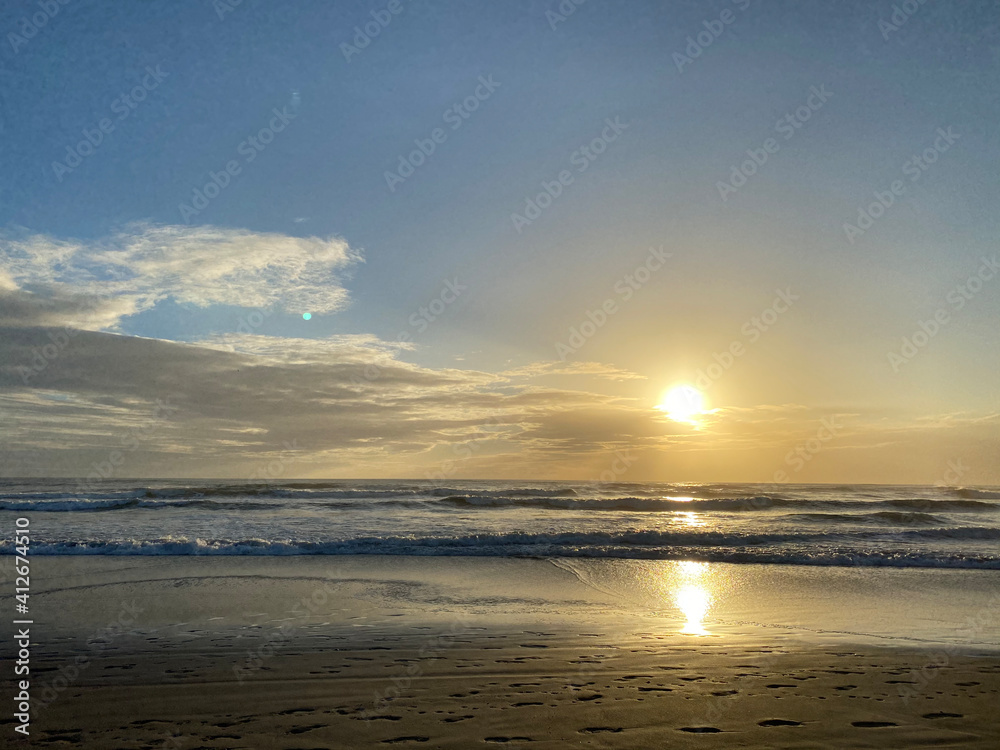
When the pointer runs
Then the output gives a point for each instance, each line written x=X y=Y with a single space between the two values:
x=390 y=252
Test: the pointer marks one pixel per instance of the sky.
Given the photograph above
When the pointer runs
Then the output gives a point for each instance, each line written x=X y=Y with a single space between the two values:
x=482 y=240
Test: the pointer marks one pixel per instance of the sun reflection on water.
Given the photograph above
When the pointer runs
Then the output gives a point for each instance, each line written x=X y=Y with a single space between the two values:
x=689 y=518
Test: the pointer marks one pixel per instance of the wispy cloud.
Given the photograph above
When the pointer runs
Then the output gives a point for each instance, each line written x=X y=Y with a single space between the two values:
x=93 y=285
x=595 y=369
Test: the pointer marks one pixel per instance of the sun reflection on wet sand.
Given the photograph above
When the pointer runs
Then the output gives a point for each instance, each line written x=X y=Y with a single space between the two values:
x=688 y=596
x=692 y=596
x=693 y=601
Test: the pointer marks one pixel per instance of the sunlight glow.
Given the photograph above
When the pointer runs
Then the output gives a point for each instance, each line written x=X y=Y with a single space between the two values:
x=693 y=598
x=683 y=403
x=689 y=518
x=693 y=601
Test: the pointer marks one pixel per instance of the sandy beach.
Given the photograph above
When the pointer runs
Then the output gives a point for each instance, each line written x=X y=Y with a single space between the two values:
x=463 y=652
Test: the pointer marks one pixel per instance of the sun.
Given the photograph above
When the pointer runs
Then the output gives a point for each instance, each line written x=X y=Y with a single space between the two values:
x=683 y=403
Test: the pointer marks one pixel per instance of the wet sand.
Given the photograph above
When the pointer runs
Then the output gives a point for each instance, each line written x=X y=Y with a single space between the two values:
x=404 y=652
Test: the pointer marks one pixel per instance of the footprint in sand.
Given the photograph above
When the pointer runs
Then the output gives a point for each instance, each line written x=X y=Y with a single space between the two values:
x=699 y=730
x=394 y=740
x=507 y=739
x=303 y=730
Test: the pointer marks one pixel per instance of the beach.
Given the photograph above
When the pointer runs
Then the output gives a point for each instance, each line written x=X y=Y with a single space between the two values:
x=519 y=375
x=458 y=652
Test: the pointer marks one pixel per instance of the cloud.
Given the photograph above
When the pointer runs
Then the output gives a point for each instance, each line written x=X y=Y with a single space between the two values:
x=345 y=399
x=93 y=285
x=353 y=408
x=595 y=369
x=58 y=305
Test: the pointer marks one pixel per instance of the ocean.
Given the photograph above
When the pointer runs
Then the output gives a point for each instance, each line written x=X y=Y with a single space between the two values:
x=832 y=525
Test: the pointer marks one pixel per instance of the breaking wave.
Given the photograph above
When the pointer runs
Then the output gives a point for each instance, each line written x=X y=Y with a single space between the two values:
x=733 y=548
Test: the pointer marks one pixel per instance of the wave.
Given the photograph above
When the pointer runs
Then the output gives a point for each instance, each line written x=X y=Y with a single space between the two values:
x=526 y=492
x=95 y=506
x=638 y=537
x=958 y=532
x=918 y=503
x=902 y=510
x=273 y=491
x=885 y=516
x=617 y=503
x=974 y=494
x=595 y=545
x=53 y=506
x=736 y=504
